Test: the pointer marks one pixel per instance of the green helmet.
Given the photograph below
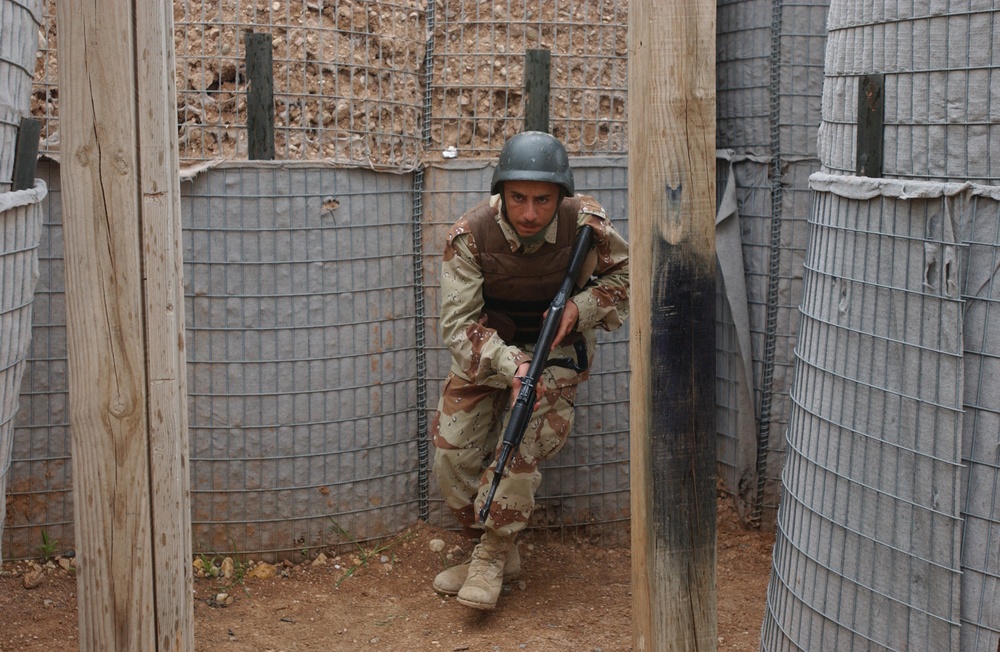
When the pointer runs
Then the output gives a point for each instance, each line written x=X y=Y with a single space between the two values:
x=533 y=156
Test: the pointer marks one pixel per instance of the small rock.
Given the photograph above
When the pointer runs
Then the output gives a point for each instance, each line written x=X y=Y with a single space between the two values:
x=228 y=568
x=32 y=579
x=436 y=545
x=263 y=571
x=384 y=559
x=222 y=600
x=65 y=564
x=320 y=560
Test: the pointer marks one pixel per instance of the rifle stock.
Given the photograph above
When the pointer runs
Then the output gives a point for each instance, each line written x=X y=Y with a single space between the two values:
x=524 y=404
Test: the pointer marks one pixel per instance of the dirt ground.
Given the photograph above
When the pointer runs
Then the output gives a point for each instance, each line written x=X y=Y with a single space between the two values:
x=572 y=595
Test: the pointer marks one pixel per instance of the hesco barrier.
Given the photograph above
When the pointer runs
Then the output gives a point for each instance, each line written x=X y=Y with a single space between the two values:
x=889 y=516
x=889 y=509
x=769 y=70
x=20 y=232
x=19 y=23
x=303 y=381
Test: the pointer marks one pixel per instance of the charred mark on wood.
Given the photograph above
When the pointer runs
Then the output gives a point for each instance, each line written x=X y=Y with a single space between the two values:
x=682 y=411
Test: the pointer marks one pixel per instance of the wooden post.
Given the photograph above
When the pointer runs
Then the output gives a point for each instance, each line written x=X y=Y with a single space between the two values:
x=537 y=74
x=260 y=97
x=125 y=325
x=672 y=350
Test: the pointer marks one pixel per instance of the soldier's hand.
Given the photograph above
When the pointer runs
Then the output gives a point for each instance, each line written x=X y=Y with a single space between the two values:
x=515 y=385
x=569 y=316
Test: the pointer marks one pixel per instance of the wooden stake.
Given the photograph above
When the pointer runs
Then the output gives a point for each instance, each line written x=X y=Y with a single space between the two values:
x=871 y=111
x=672 y=329
x=26 y=154
x=260 y=97
x=125 y=325
x=537 y=80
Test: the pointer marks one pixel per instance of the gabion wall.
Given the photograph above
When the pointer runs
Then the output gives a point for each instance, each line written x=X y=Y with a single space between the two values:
x=304 y=338
x=386 y=83
x=19 y=23
x=769 y=65
x=20 y=232
x=889 y=516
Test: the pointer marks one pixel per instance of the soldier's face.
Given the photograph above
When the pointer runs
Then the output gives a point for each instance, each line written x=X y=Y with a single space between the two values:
x=530 y=205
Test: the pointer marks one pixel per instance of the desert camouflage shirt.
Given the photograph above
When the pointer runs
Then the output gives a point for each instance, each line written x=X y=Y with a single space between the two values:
x=478 y=353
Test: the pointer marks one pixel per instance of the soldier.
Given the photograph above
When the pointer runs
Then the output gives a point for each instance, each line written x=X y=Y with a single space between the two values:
x=503 y=262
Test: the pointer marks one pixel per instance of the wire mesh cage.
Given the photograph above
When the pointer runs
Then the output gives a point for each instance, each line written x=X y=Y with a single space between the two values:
x=477 y=76
x=380 y=83
x=892 y=439
x=769 y=66
x=19 y=23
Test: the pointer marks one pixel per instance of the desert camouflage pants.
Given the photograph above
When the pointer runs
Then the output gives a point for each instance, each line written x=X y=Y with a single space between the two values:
x=467 y=432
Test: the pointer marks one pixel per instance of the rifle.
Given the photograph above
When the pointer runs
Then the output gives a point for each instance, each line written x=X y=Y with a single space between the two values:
x=524 y=404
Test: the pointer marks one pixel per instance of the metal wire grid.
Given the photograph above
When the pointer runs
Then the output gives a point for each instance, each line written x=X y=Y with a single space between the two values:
x=350 y=84
x=346 y=78
x=981 y=432
x=40 y=490
x=588 y=482
x=798 y=63
x=45 y=89
x=478 y=76
x=942 y=119
x=302 y=378
x=789 y=234
x=20 y=232
x=19 y=21
x=742 y=68
x=769 y=87
x=769 y=52
x=867 y=555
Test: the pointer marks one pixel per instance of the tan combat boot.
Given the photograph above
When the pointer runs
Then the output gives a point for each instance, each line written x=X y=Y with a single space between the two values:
x=485 y=579
x=450 y=580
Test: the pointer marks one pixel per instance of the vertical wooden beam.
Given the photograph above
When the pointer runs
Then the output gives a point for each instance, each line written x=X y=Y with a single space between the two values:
x=161 y=251
x=672 y=326
x=125 y=325
x=537 y=82
x=260 y=97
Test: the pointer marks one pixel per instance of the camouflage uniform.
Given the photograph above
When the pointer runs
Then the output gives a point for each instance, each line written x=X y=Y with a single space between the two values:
x=472 y=411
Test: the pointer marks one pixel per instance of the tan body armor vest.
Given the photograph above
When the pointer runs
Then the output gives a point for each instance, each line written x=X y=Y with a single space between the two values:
x=519 y=287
